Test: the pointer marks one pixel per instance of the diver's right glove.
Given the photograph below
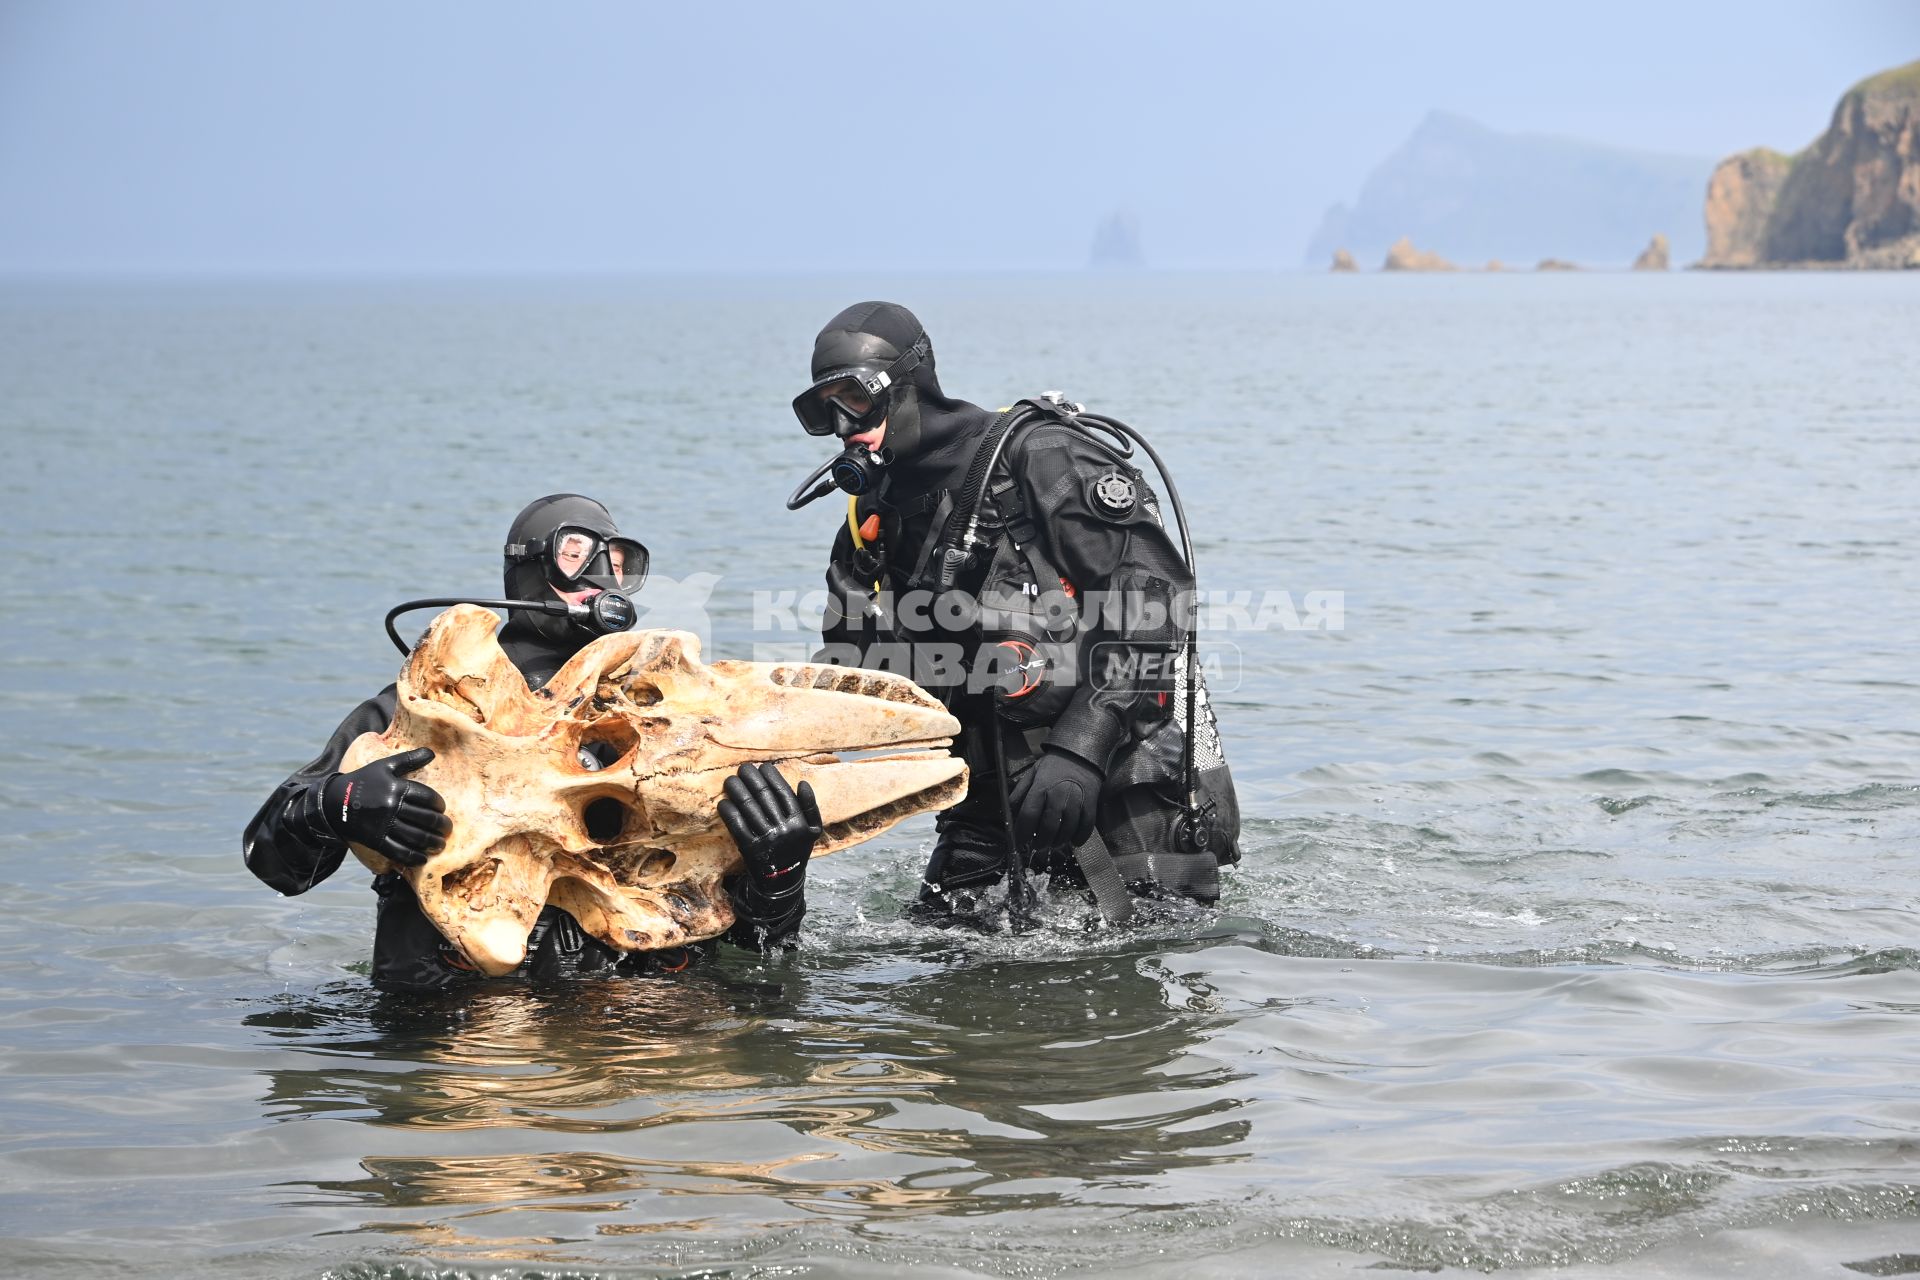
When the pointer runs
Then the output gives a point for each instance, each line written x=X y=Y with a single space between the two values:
x=775 y=829
x=399 y=819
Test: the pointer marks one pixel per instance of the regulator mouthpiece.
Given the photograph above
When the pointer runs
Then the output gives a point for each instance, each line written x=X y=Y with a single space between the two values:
x=605 y=613
x=856 y=470
x=860 y=471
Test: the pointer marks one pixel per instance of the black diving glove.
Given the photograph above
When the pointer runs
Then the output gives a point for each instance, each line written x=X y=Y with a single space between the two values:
x=396 y=817
x=1055 y=801
x=775 y=829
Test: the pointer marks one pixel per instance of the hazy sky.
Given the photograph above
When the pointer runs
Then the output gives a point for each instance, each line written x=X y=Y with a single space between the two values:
x=191 y=135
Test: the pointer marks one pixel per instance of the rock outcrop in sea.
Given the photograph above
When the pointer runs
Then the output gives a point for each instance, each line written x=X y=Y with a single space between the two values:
x=1557 y=264
x=1116 y=244
x=1851 y=199
x=1343 y=261
x=1655 y=256
x=1404 y=257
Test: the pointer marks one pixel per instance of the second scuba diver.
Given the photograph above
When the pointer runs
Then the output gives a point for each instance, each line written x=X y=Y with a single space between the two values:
x=1025 y=545
x=563 y=546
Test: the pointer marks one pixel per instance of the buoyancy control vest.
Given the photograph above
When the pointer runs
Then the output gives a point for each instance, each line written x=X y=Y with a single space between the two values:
x=1029 y=626
x=977 y=543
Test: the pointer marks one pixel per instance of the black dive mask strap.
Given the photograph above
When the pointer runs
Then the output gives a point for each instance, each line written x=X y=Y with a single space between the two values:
x=906 y=362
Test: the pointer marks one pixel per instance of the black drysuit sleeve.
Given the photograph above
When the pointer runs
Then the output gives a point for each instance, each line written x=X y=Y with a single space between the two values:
x=1127 y=575
x=289 y=844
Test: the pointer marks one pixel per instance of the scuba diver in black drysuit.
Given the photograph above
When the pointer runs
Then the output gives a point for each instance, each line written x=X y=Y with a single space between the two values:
x=1074 y=693
x=563 y=546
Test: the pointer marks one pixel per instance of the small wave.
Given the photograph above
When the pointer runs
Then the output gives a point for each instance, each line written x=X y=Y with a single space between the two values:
x=1892 y=1264
x=1874 y=795
x=1818 y=962
x=1616 y=805
x=1613 y=778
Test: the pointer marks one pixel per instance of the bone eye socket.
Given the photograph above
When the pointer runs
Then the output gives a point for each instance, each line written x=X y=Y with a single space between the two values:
x=603 y=745
x=595 y=756
x=605 y=819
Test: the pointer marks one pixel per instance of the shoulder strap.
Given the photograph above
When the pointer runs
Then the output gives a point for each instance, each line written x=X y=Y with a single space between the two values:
x=941 y=513
x=1010 y=505
x=953 y=513
x=983 y=456
x=952 y=527
x=1024 y=535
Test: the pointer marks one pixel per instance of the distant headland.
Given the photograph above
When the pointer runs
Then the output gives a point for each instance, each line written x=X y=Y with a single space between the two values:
x=1851 y=199
x=1470 y=193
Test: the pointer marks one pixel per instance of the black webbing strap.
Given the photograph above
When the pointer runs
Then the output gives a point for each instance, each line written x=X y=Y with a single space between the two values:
x=914 y=506
x=1012 y=510
x=1103 y=877
x=935 y=529
x=1095 y=860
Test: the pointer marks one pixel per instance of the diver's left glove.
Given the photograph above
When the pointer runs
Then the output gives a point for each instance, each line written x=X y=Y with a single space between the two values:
x=1056 y=801
x=775 y=829
x=396 y=817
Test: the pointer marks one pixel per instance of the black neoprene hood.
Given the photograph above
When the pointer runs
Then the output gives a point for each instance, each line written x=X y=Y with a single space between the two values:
x=869 y=336
x=527 y=578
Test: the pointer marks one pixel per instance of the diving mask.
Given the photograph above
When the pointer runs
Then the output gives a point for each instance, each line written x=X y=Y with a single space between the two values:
x=844 y=402
x=577 y=558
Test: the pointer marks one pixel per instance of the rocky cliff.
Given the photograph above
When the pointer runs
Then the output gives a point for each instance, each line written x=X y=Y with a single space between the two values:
x=1852 y=199
x=1741 y=196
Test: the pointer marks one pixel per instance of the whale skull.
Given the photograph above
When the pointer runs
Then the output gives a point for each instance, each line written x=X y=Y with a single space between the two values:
x=635 y=850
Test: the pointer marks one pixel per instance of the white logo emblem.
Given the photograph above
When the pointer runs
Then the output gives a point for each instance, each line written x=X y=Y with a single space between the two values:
x=1114 y=492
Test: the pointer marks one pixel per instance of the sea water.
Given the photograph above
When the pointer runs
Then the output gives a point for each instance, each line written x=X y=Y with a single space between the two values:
x=1577 y=920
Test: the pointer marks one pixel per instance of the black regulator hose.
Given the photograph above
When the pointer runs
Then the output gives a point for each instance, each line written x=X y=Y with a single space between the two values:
x=606 y=613
x=813 y=487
